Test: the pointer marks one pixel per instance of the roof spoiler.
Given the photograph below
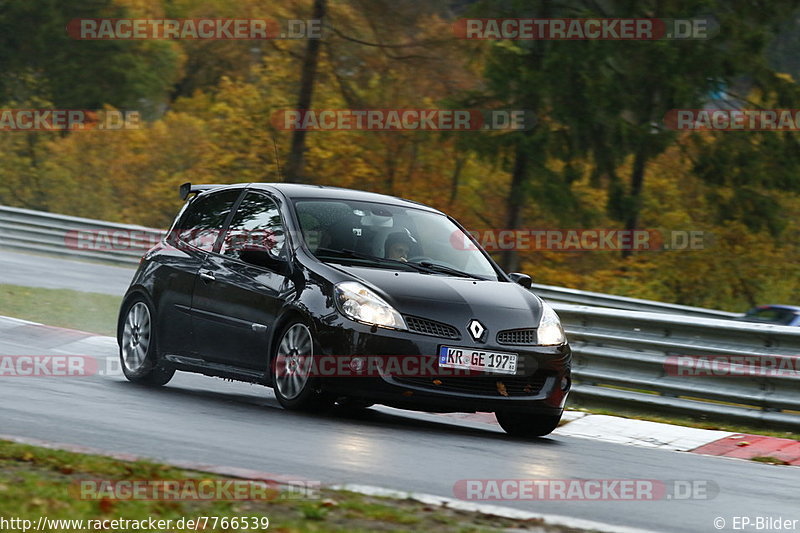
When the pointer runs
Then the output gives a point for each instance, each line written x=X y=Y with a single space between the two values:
x=188 y=189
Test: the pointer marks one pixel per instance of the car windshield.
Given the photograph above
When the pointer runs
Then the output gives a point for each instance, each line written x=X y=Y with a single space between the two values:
x=389 y=236
x=770 y=315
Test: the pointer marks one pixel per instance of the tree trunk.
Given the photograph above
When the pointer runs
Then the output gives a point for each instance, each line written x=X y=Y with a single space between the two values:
x=456 y=178
x=514 y=204
x=634 y=203
x=294 y=167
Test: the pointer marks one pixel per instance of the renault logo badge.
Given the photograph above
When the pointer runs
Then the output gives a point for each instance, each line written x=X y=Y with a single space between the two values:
x=477 y=330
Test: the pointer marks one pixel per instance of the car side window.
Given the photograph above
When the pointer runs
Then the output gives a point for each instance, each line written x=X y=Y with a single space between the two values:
x=256 y=224
x=204 y=218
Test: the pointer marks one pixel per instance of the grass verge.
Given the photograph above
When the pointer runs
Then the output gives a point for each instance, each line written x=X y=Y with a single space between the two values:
x=37 y=482
x=64 y=308
x=768 y=459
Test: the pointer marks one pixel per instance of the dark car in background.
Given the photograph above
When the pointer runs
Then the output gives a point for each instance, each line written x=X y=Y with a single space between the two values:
x=261 y=282
x=782 y=315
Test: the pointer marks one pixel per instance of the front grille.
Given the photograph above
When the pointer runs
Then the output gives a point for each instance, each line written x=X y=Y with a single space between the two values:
x=429 y=327
x=517 y=336
x=481 y=385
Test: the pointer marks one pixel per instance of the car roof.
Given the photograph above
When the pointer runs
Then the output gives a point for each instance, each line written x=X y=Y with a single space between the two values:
x=783 y=307
x=295 y=191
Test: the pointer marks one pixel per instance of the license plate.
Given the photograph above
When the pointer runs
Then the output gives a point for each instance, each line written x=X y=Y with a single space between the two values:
x=472 y=359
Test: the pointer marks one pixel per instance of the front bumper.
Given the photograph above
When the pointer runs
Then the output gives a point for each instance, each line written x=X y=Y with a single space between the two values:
x=540 y=385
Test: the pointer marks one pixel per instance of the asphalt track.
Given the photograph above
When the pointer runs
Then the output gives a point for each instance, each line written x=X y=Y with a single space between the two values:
x=49 y=272
x=207 y=420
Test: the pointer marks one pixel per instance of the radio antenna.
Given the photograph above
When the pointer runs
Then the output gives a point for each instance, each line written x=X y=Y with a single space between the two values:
x=277 y=158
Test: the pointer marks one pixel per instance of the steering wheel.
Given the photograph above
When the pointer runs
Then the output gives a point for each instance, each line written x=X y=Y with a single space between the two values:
x=419 y=259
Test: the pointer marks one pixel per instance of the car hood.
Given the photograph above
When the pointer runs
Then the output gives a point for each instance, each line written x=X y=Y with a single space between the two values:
x=453 y=300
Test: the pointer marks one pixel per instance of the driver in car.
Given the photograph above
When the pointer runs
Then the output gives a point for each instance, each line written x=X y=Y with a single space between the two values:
x=398 y=246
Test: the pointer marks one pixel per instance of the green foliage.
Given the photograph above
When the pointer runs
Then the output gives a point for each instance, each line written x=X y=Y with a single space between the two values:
x=76 y=74
x=598 y=157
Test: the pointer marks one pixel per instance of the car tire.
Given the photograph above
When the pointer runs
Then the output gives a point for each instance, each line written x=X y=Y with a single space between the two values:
x=138 y=347
x=294 y=387
x=527 y=424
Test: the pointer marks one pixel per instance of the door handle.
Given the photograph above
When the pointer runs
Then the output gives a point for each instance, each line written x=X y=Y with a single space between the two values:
x=205 y=275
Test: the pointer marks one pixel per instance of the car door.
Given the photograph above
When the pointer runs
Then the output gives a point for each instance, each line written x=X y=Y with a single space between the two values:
x=189 y=241
x=235 y=304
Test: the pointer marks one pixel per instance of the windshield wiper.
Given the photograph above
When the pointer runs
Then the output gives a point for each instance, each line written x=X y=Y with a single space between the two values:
x=444 y=269
x=367 y=257
x=424 y=266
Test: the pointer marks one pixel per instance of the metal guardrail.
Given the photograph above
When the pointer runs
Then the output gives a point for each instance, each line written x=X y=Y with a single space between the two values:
x=685 y=365
x=564 y=295
x=79 y=238
x=625 y=350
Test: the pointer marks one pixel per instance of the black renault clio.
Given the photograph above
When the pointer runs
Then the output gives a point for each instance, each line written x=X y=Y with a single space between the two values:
x=304 y=288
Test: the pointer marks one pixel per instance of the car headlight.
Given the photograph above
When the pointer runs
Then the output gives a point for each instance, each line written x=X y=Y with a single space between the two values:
x=550 y=332
x=359 y=303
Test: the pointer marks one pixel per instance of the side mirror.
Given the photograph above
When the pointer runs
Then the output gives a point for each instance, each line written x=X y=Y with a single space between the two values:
x=522 y=279
x=262 y=257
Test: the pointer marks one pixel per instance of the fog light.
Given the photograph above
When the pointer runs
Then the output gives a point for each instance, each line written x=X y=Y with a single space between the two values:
x=565 y=382
x=357 y=364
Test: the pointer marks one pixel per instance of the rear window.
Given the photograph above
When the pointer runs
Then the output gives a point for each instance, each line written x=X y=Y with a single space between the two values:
x=201 y=224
